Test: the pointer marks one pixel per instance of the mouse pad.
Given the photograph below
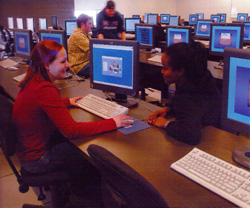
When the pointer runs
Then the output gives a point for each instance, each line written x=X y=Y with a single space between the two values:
x=136 y=126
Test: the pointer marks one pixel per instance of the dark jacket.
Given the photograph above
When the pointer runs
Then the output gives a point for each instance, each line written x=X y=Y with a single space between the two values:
x=193 y=107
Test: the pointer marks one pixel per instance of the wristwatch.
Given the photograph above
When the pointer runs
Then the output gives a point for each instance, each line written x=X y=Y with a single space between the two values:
x=166 y=124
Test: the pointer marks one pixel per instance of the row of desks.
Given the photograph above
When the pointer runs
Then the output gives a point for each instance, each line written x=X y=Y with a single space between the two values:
x=150 y=152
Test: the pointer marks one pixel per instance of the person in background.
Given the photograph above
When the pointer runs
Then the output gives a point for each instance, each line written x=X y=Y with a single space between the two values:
x=78 y=46
x=110 y=23
x=196 y=102
x=44 y=124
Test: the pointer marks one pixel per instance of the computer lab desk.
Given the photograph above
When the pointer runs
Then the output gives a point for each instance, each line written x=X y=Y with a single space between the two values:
x=151 y=151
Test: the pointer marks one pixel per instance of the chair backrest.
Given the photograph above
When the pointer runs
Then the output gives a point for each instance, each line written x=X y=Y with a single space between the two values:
x=7 y=132
x=122 y=185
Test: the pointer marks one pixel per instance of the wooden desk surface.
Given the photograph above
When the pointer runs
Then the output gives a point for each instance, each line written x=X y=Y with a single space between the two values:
x=150 y=152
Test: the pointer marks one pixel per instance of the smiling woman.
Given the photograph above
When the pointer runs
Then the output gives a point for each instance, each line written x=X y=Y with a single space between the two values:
x=43 y=122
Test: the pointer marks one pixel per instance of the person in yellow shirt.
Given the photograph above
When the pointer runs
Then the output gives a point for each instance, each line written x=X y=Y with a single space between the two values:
x=78 y=46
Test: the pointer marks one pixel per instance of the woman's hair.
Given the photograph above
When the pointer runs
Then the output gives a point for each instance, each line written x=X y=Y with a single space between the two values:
x=83 y=18
x=190 y=57
x=43 y=53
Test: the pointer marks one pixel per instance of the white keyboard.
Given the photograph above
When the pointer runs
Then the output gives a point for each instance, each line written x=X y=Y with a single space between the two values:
x=223 y=178
x=101 y=107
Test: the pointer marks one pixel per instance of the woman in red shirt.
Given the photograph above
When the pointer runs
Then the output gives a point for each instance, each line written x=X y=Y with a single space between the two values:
x=40 y=113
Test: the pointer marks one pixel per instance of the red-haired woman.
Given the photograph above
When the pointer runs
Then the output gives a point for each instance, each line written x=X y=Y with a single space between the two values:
x=40 y=113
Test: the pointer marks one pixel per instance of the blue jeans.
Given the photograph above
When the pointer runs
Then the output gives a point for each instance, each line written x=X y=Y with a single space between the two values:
x=63 y=155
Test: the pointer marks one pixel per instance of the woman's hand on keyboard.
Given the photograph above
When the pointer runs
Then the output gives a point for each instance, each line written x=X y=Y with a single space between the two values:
x=73 y=101
x=123 y=120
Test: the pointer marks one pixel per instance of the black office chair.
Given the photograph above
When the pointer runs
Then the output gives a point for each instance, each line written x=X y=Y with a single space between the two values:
x=122 y=185
x=54 y=180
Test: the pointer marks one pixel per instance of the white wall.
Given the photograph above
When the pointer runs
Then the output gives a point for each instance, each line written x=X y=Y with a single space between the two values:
x=178 y=7
x=240 y=6
x=186 y=7
x=130 y=7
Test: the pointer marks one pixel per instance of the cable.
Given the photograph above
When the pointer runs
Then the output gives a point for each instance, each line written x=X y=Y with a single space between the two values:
x=79 y=79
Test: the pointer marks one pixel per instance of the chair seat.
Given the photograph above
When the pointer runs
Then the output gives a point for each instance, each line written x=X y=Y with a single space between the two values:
x=50 y=178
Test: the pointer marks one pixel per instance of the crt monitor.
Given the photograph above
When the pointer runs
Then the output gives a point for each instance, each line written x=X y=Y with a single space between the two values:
x=70 y=25
x=202 y=29
x=152 y=19
x=242 y=16
x=246 y=35
x=200 y=15
x=114 y=67
x=164 y=19
x=216 y=18
x=145 y=35
x=130 y=24
x=174 y=20
x=56 y=35
x=246 y=31
x=193 y=19
x=225 y=35
x=23 y=42
x=235 y=116
x=177 y=34
x=223 y=17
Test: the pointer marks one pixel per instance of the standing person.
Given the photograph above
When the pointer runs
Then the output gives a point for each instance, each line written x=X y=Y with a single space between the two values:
x=110 y=23
x=78 y=46
x=196 y=102
x=40 y=115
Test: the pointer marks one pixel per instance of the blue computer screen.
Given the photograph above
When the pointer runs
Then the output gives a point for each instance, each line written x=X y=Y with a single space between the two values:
x=174 y=20
x=22 y=43
x=242 y=17
x=70 y=26
x=225 y=36
x=215 y=18
x=130 y=24
x=152 y=19
x=239 y=90
x=247 y=31
x=176 y=35
x=52 y=36
x=113 y=65
x=200 y=15
x=223 y=18
x=203 y=28
x=193 y=19
x=144 y=35
x=165 y=18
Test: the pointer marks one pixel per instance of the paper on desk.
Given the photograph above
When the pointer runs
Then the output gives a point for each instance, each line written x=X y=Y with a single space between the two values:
x=156 y=58
x=137 y=126
x=19 y=77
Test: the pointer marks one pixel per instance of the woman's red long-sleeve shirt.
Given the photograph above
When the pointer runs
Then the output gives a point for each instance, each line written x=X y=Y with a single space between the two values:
x=38 y=111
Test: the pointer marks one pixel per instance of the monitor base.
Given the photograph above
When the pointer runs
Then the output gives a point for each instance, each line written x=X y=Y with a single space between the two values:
x=242 y=155
x=122 y=100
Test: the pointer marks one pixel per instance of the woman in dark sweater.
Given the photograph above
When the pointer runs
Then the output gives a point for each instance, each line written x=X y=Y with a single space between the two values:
x=196 y=102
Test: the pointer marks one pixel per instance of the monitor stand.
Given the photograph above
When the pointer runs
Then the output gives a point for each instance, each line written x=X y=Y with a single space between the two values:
x=148 y=50
x=242 y=155
x=122 y=100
